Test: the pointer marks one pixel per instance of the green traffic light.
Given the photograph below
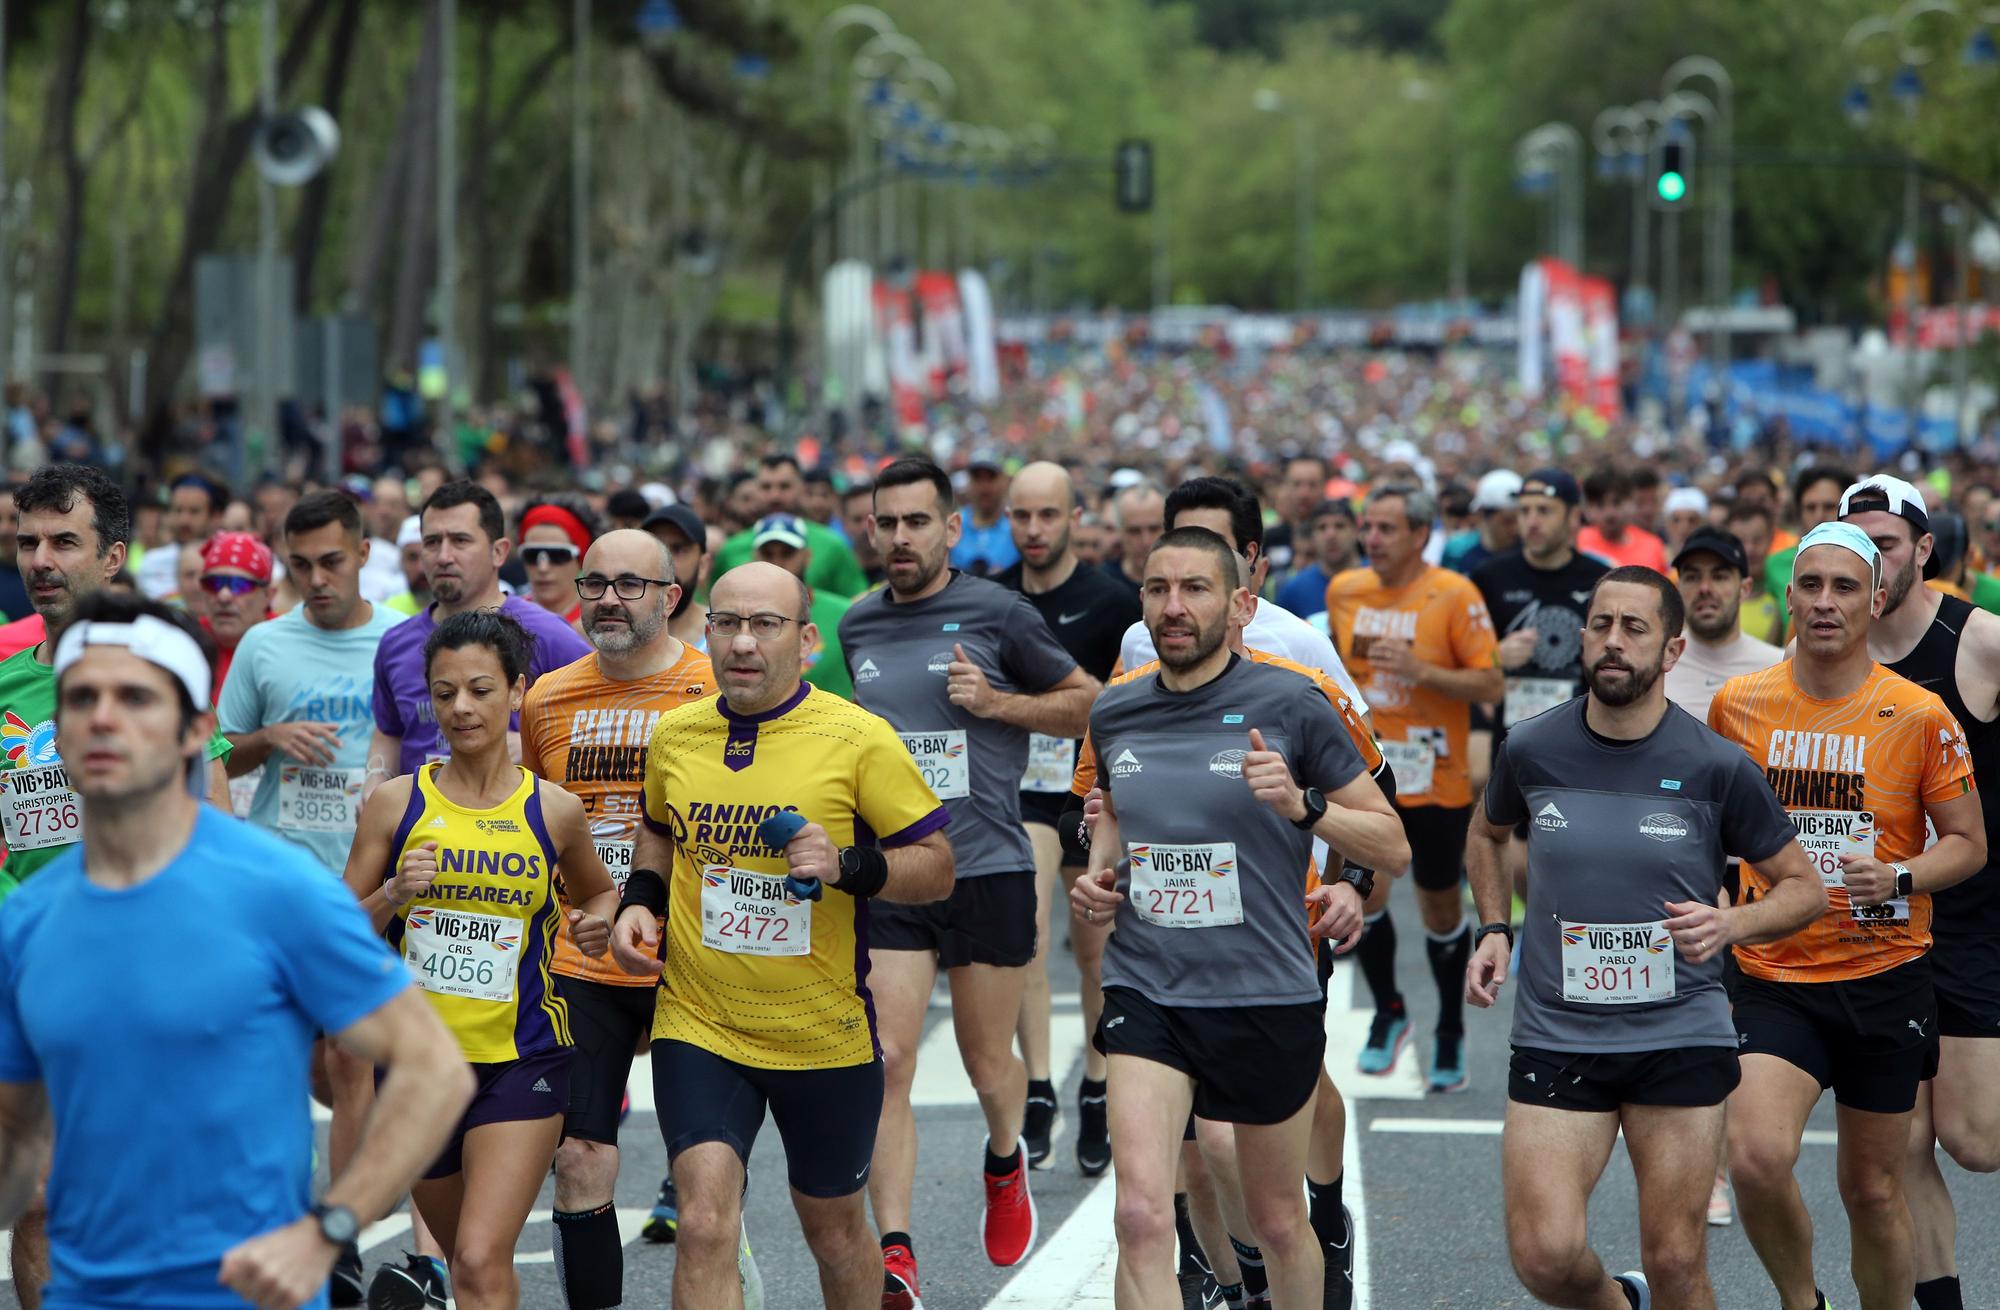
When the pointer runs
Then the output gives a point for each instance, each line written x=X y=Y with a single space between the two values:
x=1672 y=186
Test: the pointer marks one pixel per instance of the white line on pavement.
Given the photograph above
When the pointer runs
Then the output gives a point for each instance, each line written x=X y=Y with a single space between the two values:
x=1074 y=1268
x=1491 y=1128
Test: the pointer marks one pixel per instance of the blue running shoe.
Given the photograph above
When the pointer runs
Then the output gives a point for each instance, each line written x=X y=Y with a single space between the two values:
x=663 y=1225
x=1448 y=1063
x=1386 y=1036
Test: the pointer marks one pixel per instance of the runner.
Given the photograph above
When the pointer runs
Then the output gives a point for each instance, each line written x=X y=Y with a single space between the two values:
x=1611 y=534
x=1334 y=541
x=1713 y=575
x=1763 y=616
x=1861 y=758
x=679 y=529
x=1421 y=641
x=1946 y=646
x=1238 y=1040
x=1686 y=510
x=765 y=1001
x=236 y=593
x=985 y=546
x=183 y=1178
x=193 y=505
x=1621 y=1023
x=465 y=542
x=780 y=485
x=1497 y=501
x=965 y=671
x=781 y=540
x=1139 y=511
x=298 y=709
x=585 y=727
x=1815 y=500
x=477 y=830
x=1088 y=613
x=555 y=531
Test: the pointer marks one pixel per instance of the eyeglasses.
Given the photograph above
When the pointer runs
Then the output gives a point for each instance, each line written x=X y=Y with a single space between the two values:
x=764 y=627
x=537 y=556
x=217 y=583
x=628 y=587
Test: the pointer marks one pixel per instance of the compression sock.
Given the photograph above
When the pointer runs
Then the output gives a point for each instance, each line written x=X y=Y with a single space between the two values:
x=1252 y=1261
x=1939 y=1294
x=1194 y=1260
x=1449 y=956
x=1323 y=1206
x=1377 y=954
x=590 y=1258
x=899 y=1239
x=1232 y=1295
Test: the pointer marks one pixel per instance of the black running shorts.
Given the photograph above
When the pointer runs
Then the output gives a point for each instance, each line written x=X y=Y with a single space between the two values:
x=985 y=920
x=1437 y=844
x=1600 y=1082
x=826 y=1117
x=1872 y=1040
x=608 y=1023
x=1251 y=1064
x=1965 y=972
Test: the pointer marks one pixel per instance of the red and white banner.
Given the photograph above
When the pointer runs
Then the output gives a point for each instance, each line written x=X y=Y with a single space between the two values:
x=1600 y=329
x=896 y=323
x=1568 y=325
x=943 y=330
x=1938 y=329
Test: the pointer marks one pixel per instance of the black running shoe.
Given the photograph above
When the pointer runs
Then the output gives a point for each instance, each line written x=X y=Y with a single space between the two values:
x=1039 y=1125
x=663 y=1225
x=349 y=1285
x=1093 y=1135
x=1198 y=1290
x=1340 y=1268
x=415 y=1284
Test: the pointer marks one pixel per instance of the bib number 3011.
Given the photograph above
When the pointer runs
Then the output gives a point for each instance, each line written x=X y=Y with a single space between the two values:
x=1616 y=963
x=1186 y=886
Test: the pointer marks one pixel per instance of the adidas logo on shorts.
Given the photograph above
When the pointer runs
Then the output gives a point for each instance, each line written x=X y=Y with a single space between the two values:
x=541 y=1085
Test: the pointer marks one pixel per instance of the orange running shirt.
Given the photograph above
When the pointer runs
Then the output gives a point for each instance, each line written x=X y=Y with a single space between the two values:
x=1855 y=775
x=1423 y=731
x=588 y=734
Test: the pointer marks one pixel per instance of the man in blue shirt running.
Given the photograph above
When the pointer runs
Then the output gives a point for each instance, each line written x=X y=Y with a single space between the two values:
x=182 y=1169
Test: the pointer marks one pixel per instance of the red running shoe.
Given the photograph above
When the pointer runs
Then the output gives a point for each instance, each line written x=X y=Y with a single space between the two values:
x=899 y=1279
x=1009 y=1222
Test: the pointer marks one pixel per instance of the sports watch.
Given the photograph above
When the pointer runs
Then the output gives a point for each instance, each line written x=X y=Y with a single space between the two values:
x=1315 y=800
x=1360 y=879
x=1906 y=883
x=337 y=1224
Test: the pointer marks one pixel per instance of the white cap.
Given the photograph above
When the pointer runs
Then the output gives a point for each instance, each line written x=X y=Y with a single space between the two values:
x=159 y=643
x=411 y=533
x=1126 y=477
x=1500 y=489
x=658 y=494
x=1691 y=499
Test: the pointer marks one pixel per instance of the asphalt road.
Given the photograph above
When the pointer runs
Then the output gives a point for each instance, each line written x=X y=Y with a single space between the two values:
x=1427 y=1180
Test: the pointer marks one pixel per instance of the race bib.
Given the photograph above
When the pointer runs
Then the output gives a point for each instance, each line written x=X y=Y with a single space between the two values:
x=243 y=792
x=1527 y=697
x=39 y=809
x=318 y=800
x=617 y=857
x=1414 y=762
x=1616 y=963
x=941 y=758
x=1051 y=763
x=1826 y=835
x=746 y=913
x=1186 y=886
x=459 y=953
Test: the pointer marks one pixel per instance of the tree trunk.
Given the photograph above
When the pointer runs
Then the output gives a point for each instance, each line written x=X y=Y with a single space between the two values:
x=417 y=258
x=61 y=151
x=312 y=205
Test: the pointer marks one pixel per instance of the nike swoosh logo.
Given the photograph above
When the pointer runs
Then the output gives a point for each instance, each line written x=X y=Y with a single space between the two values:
x=1070 y=618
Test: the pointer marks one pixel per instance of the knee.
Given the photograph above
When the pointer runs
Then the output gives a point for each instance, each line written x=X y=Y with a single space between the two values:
x=987 y=1068
x=1278 y=1221
x=1143 y=1221
x=1442 y=911
x=835 y=1234
x=899 y=1062
x=1874 y=1195
x=585 y=1166
x=710 y=1222
x=1975 y=1152
x=1759 y=1164
x=1673 y=1262
x=1548 y=1265
x=482 y=1271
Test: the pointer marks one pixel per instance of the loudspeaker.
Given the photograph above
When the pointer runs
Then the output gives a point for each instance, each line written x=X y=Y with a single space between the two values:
x=291 y=149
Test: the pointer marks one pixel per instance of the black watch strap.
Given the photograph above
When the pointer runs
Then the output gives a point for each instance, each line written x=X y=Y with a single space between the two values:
x=1362 y=880
x=1315 y=809
x=1488 y=930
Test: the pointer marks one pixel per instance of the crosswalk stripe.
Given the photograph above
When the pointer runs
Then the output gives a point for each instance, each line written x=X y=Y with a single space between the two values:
x=1491 y=1128
x=1074 y=1268
x=940 y=1078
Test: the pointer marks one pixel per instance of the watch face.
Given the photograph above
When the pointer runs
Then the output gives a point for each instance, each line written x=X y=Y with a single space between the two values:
x=338 y=1224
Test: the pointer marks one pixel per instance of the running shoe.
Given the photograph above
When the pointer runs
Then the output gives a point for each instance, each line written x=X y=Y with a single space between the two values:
x=1448 y=1063
x=1386 y=1035
x=416 y=1284
x=899 y=1279
x=1721 y=1213
x=1636 y=1291
x=748 y=1277
x=349 y=1285
x=1008 y=1222
x=664 y=1223
x=1093 y=1135
x=1039 y=1125
x=1339 y=1294
x=1198 y=1290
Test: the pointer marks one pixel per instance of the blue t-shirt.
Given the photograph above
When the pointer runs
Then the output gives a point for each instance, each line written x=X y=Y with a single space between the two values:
x=983 y=552
x=172 y=1025
x=1304 y=595
x=288 y=671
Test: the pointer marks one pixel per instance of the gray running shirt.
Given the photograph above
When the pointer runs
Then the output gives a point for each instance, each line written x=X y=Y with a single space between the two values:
x=1173 y=764
x=898 y=652
x=1618 y=829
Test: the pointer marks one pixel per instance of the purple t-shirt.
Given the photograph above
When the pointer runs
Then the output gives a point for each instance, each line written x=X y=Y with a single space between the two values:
x=403 y=694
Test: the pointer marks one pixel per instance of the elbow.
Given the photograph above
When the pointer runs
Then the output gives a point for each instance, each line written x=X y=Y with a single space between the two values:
x=1398 y=856
x=453 y=1079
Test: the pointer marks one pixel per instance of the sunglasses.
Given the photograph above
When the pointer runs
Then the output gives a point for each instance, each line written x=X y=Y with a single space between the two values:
x=539 y=556
x=217 y=583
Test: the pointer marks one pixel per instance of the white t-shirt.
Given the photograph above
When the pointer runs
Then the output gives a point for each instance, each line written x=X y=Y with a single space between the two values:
x=1692 y=683
x=1274 y=630
x=158 y=574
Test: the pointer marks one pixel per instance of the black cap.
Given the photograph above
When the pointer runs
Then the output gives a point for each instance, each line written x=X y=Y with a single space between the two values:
x=681 y=517
x=1552 y=482
x=1716 y=542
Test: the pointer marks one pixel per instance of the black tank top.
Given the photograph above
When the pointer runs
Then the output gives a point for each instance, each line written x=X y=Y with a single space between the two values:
x=1973 y=906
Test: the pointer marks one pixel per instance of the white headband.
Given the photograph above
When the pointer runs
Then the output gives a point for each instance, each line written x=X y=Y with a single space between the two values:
x=153 y=640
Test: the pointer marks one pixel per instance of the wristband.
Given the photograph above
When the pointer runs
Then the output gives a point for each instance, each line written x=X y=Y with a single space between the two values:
x=1074 y=834
x=863 y=871
x=647 y=890
x=1489 y=929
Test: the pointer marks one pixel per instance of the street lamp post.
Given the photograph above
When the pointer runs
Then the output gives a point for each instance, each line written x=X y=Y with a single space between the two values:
x=1270 y=102
x=1622 y=135
x=1721 y=205
x=847 y=16
x=1553 y=154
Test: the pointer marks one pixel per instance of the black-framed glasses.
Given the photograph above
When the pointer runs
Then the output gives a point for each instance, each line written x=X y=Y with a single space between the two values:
x=217 y=583
x=627 y=587
x=764 y=627
x=537 y=556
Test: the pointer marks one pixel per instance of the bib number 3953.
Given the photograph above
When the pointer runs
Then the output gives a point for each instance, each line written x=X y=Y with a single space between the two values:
x=459 y=953
x=1616 y=963
x=941 y=758
x=39 y=809
x=318 y=800
x=748 y=913
x=1186 y=886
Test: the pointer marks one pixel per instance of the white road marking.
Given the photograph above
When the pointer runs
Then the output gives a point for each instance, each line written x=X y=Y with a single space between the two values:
x=1076 y=1267
x=1491 y=1128
x=940 y=1078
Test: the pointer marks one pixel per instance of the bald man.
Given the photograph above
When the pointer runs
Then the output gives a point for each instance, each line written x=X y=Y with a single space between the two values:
x=1088 y=610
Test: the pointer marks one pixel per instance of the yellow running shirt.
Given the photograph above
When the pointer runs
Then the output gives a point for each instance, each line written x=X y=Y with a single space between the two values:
x=752 y=974
x=480 y=941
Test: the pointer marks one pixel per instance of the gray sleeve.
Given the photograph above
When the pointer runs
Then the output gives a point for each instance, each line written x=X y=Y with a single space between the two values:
x=1754 y=825
x=1030 y=655
x=1326 y=755
x=1505 y=805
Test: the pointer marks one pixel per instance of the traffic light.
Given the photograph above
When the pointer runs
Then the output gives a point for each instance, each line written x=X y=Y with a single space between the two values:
x=1673 y=170
x=1132 y=166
